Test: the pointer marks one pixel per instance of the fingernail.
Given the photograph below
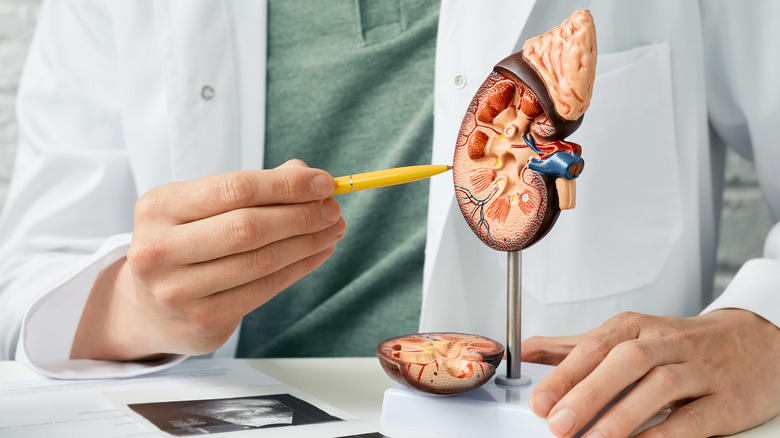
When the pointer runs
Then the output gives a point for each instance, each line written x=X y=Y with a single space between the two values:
x=541 y=403
x=330 y=211
x=562 y=422
x=322 y=185
x=594 y=434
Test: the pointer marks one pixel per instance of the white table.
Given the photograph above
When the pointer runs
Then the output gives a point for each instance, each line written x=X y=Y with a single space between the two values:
x=355 y=385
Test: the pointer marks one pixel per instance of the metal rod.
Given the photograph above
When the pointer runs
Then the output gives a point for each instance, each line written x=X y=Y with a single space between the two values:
x=514 y=294
x=514 y=313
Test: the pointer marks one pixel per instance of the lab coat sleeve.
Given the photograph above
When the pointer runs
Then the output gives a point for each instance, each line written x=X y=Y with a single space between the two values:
x=70 y=206
x=741 y=42
x=756 y=286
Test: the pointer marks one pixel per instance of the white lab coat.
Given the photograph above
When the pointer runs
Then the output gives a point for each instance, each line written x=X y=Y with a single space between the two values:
x=113 y=102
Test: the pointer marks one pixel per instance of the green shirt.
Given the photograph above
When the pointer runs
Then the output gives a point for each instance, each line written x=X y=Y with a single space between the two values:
x=350 y=90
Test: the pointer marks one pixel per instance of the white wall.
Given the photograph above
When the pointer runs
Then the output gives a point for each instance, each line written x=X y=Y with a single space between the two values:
x=746 y=219
x=17 y=21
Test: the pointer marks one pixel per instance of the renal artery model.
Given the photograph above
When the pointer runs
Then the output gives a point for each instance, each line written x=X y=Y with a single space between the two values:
x=513 y=170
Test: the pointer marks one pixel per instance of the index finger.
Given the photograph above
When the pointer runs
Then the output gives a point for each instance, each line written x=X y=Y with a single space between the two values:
x=578 y=364
x=625 y=365
x=192 y=200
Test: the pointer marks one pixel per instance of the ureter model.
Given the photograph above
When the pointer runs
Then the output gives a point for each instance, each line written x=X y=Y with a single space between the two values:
x=387 y=177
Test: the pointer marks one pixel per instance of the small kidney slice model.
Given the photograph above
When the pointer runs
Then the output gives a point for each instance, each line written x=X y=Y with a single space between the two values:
x=440 y=363
x=513 y=170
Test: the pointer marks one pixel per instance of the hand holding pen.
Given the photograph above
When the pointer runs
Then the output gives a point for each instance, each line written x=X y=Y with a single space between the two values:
x=206 y=252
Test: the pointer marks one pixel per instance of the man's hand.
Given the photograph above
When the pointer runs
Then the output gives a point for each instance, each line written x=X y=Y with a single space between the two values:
x=718 y=373
x=205 y=253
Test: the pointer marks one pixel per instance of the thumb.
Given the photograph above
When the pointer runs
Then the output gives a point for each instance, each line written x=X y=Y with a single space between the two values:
x=547 y=350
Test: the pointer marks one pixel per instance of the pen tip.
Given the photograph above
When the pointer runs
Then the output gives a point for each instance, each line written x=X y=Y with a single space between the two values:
x=450 y=167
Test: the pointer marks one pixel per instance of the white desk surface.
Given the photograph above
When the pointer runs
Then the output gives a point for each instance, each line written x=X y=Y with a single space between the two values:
x=355 y=385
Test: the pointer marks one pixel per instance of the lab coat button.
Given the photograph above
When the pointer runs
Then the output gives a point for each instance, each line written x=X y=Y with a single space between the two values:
x=459 y=81
x=207 y=93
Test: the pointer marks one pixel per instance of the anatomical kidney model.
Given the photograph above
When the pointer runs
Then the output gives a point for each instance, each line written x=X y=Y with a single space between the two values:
x=513 y=170
x=513 y=174
x=440 y=363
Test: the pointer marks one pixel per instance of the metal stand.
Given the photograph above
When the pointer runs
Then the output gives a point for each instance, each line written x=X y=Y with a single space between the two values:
x=514 y=286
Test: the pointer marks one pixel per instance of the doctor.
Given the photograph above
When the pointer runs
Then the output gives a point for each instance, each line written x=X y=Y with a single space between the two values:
x=138 y=229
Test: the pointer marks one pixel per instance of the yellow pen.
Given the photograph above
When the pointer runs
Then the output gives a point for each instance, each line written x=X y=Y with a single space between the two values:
x=387 y=177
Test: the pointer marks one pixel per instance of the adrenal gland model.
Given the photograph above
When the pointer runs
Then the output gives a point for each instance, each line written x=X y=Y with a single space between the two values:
x=513 y=174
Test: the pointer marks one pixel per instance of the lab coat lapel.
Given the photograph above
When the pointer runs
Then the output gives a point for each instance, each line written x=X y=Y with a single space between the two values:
x=200 y=89
x=472 y=38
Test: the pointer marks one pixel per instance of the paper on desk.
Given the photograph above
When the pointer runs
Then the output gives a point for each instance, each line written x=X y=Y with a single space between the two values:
x=264 y=410
x=41 y=407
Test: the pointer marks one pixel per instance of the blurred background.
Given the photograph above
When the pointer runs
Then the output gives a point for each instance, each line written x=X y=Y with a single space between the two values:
x=745 y=219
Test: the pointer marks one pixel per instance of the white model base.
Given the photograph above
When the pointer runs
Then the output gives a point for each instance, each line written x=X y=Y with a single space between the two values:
x=490 y=411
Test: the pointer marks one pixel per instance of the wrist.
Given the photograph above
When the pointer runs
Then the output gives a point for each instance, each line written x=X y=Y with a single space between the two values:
x=107 y=329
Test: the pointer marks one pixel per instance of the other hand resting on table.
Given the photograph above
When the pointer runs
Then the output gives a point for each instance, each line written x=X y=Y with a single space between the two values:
x=718 y=372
